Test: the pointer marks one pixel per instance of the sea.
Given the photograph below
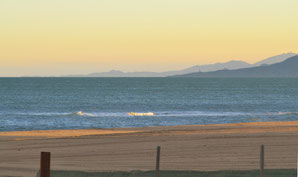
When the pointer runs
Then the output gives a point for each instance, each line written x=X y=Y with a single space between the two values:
x=83 y=103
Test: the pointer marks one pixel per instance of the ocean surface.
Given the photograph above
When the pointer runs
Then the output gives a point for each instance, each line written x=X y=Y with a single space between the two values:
x=78 y=103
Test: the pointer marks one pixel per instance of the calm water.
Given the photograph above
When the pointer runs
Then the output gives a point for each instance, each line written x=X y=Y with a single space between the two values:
x=53 y=103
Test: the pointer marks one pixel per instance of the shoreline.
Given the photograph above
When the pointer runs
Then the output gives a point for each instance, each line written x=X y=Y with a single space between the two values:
x=247 y=127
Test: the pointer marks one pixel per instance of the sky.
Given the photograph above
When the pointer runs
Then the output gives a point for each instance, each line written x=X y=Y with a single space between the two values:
x=60 y=37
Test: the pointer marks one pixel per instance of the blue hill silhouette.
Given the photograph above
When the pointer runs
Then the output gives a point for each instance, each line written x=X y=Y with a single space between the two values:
x=287 y=68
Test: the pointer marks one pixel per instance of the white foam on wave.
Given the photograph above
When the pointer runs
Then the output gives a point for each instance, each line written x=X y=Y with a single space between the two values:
x=81 y=113
x=157 y=114
x=141 y=113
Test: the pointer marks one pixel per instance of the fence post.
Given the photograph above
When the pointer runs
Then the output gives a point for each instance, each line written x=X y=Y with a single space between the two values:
x=157 y=161
x=262 y=162
x=45 y=160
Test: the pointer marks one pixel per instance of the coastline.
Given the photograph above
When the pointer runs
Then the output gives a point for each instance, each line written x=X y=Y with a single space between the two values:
x=247 y=127
x=190 y=147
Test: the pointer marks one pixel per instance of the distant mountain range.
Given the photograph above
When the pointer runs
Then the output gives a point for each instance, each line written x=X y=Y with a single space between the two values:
x=287 y=68
x=230 y=65
x=275 y=59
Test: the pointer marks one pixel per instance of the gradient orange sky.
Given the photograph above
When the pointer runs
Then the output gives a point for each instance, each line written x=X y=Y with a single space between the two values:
x=57 y=37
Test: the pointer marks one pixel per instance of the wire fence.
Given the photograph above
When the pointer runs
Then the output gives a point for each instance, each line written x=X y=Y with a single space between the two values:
x=45 y=164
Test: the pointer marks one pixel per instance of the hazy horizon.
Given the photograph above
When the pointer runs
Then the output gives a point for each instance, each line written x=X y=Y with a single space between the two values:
x=53 y=38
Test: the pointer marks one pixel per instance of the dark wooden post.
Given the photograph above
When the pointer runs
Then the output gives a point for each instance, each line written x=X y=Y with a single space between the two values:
x=262 y=162
x=45 y=160
x=157 y=161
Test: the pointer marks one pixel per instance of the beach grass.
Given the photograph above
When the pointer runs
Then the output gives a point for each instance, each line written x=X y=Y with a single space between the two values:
x=250 y=173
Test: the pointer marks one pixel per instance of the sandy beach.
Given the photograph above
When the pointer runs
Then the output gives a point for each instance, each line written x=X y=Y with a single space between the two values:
x=193 y=147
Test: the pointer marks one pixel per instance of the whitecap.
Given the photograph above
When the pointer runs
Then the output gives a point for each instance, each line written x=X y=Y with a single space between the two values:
x=141 y=113
x=81 y=113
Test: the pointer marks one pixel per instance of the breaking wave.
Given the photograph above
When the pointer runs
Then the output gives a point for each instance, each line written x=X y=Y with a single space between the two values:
x=81 y=113
x=155 y=114
x=141 y=114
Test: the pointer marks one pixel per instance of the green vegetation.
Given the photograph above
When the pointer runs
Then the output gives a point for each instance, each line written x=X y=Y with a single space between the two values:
x=252 y=173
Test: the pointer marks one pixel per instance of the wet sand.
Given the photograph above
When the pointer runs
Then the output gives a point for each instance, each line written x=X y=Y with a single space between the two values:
x=193 y=147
